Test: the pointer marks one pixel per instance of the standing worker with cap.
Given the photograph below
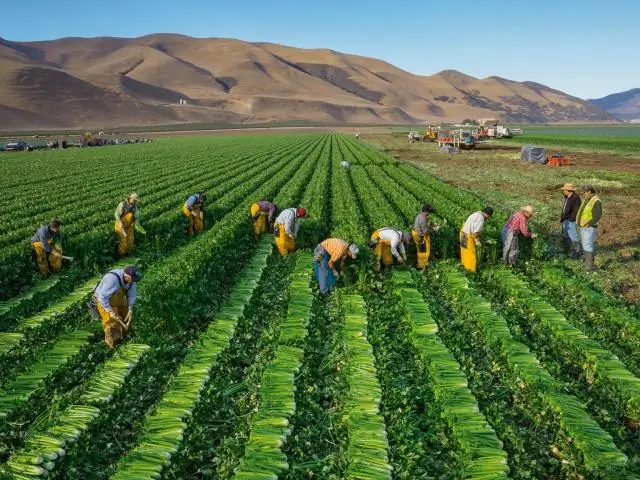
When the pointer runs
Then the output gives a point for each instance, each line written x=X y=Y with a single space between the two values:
x=421 y=234
x=114 y=298
x=516 y=226
x=46 y=248
x=325 y=256
x=388 y=243
x=470 y=234
x=127 y=216
x=193 y=209
x=570 y=207
x=286 y=229
x=587 y=219
x=262 y=214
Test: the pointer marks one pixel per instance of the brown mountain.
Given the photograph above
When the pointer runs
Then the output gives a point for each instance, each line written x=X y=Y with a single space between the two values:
x=100 y=82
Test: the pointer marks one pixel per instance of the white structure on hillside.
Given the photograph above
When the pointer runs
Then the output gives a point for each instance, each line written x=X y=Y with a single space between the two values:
x=183 y=101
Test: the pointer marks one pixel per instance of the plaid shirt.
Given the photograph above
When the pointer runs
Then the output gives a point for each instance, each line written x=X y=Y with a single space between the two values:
x=518 y=224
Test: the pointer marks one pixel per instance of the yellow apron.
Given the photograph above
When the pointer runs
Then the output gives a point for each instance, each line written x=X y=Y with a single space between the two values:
x=113 y=331
x=382 y=251
x=423 y=251
x=284 y=243
x=47 y=262
x=469 y=254
x=196 y=224
x=259 y=220
x=125 y=244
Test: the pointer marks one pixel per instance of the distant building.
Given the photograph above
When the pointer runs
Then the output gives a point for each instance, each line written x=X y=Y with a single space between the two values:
x=183 y=101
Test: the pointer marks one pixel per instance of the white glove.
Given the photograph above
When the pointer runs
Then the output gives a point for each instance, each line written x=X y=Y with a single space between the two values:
x=401 y=260
x=534 y=235
x=478 y=242
x=336 y=273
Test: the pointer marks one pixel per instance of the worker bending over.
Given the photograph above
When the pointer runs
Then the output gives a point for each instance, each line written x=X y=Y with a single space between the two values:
x=516 y=226
x=47 y=249
x=470 y=234
x=388 y=243
x=286 y=229
x=587 y=219
x=114 y=298
x=421 y=234
x=193 y=209
x=325 y=256
x=262 y=215
x=127 y=216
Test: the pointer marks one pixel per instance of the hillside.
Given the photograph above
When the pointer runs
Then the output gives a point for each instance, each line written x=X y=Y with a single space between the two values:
x=623 y=105
x=100 y=82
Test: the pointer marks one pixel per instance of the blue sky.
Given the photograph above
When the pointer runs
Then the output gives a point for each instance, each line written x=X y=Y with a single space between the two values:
x=585 y=48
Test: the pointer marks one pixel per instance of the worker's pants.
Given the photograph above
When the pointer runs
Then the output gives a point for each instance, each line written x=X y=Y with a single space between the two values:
x=284 y=242
x=510 y=247
x=468 y=252
x=324 y=275
x=423 y=248
x=569 y=230
x=47 y=262
x=588 y=237
x=113 y=330
x=260 y=224
x=382 y=252
x=196 y=223
x=125 y=243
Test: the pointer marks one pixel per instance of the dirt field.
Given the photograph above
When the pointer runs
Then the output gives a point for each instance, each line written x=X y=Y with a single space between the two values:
x=500 y=177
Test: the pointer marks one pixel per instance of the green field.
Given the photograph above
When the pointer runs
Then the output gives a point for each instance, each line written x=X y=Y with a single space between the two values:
x=237 y=367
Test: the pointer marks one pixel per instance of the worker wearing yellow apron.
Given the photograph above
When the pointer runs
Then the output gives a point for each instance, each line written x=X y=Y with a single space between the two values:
x=114 y=298
x=588 y=217
x=262 y=213
x=193 y=209
x=47 y=250
x=286 y=229
x=421 y=234
x=387 y=244
x=469 y=236
x=127 y=217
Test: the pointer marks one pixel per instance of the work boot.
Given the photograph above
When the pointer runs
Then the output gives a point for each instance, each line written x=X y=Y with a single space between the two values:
x=566 y=245
x=589 y=261
x=575 y=250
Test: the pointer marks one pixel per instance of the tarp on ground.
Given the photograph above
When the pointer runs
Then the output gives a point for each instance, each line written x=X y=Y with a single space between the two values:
x=532 y=154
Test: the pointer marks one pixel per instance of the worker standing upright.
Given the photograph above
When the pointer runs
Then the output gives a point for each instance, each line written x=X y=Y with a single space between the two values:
x=421 y=234
x=516 y=226
x=47 y=248
x=387 y=244
x=286 y=229
x=114 y=298
x=262 y=215
x=570 y=207
x=127 y=217
x=325 y=256
x=470 y=234
x=193 y=209
x=587 y=218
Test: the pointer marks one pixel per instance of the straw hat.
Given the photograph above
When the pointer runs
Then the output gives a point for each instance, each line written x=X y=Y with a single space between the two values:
x=569 y=186
x=528 y=209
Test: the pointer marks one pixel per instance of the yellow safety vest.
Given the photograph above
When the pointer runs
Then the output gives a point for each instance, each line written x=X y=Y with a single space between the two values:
x=585 y=213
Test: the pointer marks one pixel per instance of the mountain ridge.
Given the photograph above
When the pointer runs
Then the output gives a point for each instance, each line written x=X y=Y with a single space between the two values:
x=622 y=105
x=78 y=82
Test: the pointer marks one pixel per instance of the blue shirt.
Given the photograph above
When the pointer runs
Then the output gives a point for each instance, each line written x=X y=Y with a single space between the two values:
x=43 y=235
x=109 y=286
x=193 y=199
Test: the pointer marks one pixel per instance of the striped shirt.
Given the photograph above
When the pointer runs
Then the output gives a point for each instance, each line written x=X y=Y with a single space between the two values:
x=337 y=249
x=394 y=239
x=518 y=224
x=289 y=218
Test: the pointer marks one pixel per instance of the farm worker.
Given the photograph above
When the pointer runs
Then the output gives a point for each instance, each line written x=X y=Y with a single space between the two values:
x=127 y=216
x=388 y=243
x=470 y=234
x=286 y=229
x=47 y=250
x=193 y=209
x=517 y=225
x=587 y=219
x=262 y=214
x=570 y=207
x=421 y=234
x=114 y=298
x=325 y=256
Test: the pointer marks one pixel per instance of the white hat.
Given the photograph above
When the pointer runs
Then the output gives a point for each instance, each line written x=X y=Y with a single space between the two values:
x=354 y=250
x=528 y=209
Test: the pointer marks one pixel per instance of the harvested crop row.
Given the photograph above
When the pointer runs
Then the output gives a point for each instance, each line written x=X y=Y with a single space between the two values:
x=537 y=397
x=480 y=453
